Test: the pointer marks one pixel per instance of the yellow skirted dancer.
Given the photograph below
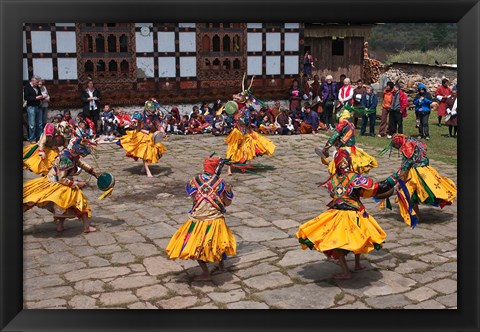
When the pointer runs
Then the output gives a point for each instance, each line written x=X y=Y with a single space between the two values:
x=204 y=236
x=346 y=226
x=344 y=137
x=39 y=157
x=58 y=192
x=419 y=182
x=143 y=141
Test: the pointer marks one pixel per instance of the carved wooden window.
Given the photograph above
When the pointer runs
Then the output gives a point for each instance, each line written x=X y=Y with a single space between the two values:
x=112 y=43
x=221 y=50
x=226 y=43
x=206 y=44
x=216 y=43
x=106 y=52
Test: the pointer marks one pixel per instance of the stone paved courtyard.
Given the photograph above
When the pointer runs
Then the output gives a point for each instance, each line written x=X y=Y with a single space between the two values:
x=124 y=264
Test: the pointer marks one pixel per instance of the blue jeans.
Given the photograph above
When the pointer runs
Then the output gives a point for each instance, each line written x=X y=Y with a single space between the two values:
x=372 y=117
x=44 y=115
x=34 y=122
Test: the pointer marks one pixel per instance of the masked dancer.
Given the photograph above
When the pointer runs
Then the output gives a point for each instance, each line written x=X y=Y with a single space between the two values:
x=343 y=137
x=143 y=141
x=58 y=192
x=39 y=157
x=419 y=182
x=244 y=144
x=204 y=236
x=346 y=226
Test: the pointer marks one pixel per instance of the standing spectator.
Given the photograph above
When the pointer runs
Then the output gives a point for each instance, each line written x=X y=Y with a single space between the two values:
x=340 y=83
x=317 y=98
x=397 y=110
x=358 y=93
x=91 y=105
x=329 y=95
x=34 y=97
x=44 y=103
x=442 y=93
x=311 y=123
x=422 y=102
x=451 y=118
x=67 y=116
x=307 y=64
x=295 y=97
x=369 y=103
x=345 y=94
x=386 y=103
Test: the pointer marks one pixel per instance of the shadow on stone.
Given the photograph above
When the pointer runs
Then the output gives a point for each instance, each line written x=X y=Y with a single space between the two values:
x=155 y=169
x=73 y=227
x=433 y=215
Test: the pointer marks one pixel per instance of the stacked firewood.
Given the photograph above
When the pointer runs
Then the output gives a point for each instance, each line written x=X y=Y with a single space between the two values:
x=372 y=69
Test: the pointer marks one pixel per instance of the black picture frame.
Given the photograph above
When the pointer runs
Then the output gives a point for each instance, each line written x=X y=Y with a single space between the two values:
x=13 y=13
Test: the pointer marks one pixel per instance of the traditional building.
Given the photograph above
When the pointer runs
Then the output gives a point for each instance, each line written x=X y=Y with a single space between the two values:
x=180 y=62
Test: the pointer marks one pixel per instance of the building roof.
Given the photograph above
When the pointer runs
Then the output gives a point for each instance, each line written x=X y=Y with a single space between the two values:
x=320 y=30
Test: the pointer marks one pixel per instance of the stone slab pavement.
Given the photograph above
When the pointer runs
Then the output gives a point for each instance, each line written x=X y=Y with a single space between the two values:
x=124 y=264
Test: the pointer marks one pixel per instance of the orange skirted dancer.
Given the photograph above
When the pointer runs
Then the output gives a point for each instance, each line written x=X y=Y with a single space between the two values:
x=58 y=192
x=419 y=182
x=244 y=144
x=204 y=236
x=142 y=142
x=346 y=226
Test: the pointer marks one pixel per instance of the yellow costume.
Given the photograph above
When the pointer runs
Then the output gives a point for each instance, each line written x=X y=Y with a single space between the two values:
x=58 y=191
x=140 y=145
x=205 y=236
x=245 y=147
x=39 y=157
x=420 y=183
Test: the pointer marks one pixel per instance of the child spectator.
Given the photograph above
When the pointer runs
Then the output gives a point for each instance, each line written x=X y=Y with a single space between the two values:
x=219 y=127
x=90 y=124
x=369 y=103
x=67 y=116
x=108 y=123
x=182 y=125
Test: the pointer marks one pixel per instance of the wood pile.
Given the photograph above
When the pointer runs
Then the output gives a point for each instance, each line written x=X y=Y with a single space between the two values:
x=372 y=69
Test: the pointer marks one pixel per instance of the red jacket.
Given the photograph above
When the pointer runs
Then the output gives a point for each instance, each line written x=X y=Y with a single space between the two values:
x=403 y=103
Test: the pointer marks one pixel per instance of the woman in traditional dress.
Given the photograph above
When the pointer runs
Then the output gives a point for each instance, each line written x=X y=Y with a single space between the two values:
x=140 y=143
x=244 y=144
x=346 y=226
x=419 y=182
x=204 y=236
x=39 y=157
x=58 y=192
x=343 y=136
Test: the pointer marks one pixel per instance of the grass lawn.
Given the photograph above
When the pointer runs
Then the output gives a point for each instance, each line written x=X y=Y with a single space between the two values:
x=440 y=146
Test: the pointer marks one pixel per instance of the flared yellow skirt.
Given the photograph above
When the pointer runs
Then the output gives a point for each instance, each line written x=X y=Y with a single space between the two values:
x=242 y=148
x=139 y=145
x=425 y=186
x=353 y=231
x=362 y=162
x=205 y=240
x=35 y=163
x=62 y=201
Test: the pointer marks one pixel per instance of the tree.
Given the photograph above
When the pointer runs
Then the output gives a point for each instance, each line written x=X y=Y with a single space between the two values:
x=439 y=33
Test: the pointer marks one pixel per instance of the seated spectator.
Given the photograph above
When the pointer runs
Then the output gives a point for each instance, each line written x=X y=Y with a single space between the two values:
x=205 y=109
x=170 y=124
x=194 y=126
x=196 y=110
x=67 y=116
x=123 y=120
x=176 y=114
x=90 y=124
x=108 y=123
x=182 y=125
x=219 y=127
x=297 y=118
x=311 y=123
x=57 y=118
x=283 y=123
x=267 y=127
x=209 y=122
x=82 y=130
x=216 y=106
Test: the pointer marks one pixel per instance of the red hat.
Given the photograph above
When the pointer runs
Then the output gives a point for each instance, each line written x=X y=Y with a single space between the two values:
x=340 y=156
x=210 y=164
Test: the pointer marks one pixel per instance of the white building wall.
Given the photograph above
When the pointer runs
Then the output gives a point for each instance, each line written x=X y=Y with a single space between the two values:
x=166 y=67
x=291 y=64
x=273 y=65
x=166 y=41
x=66 y=42
x=41 y=42
x=67 y=69
x=254 y=42
x=145 y=67
x=187 y=41
x=188 y=66
x=273 y=42
x=254 y=65
x=143 y=43
x=292 y=42
x=43 y=68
